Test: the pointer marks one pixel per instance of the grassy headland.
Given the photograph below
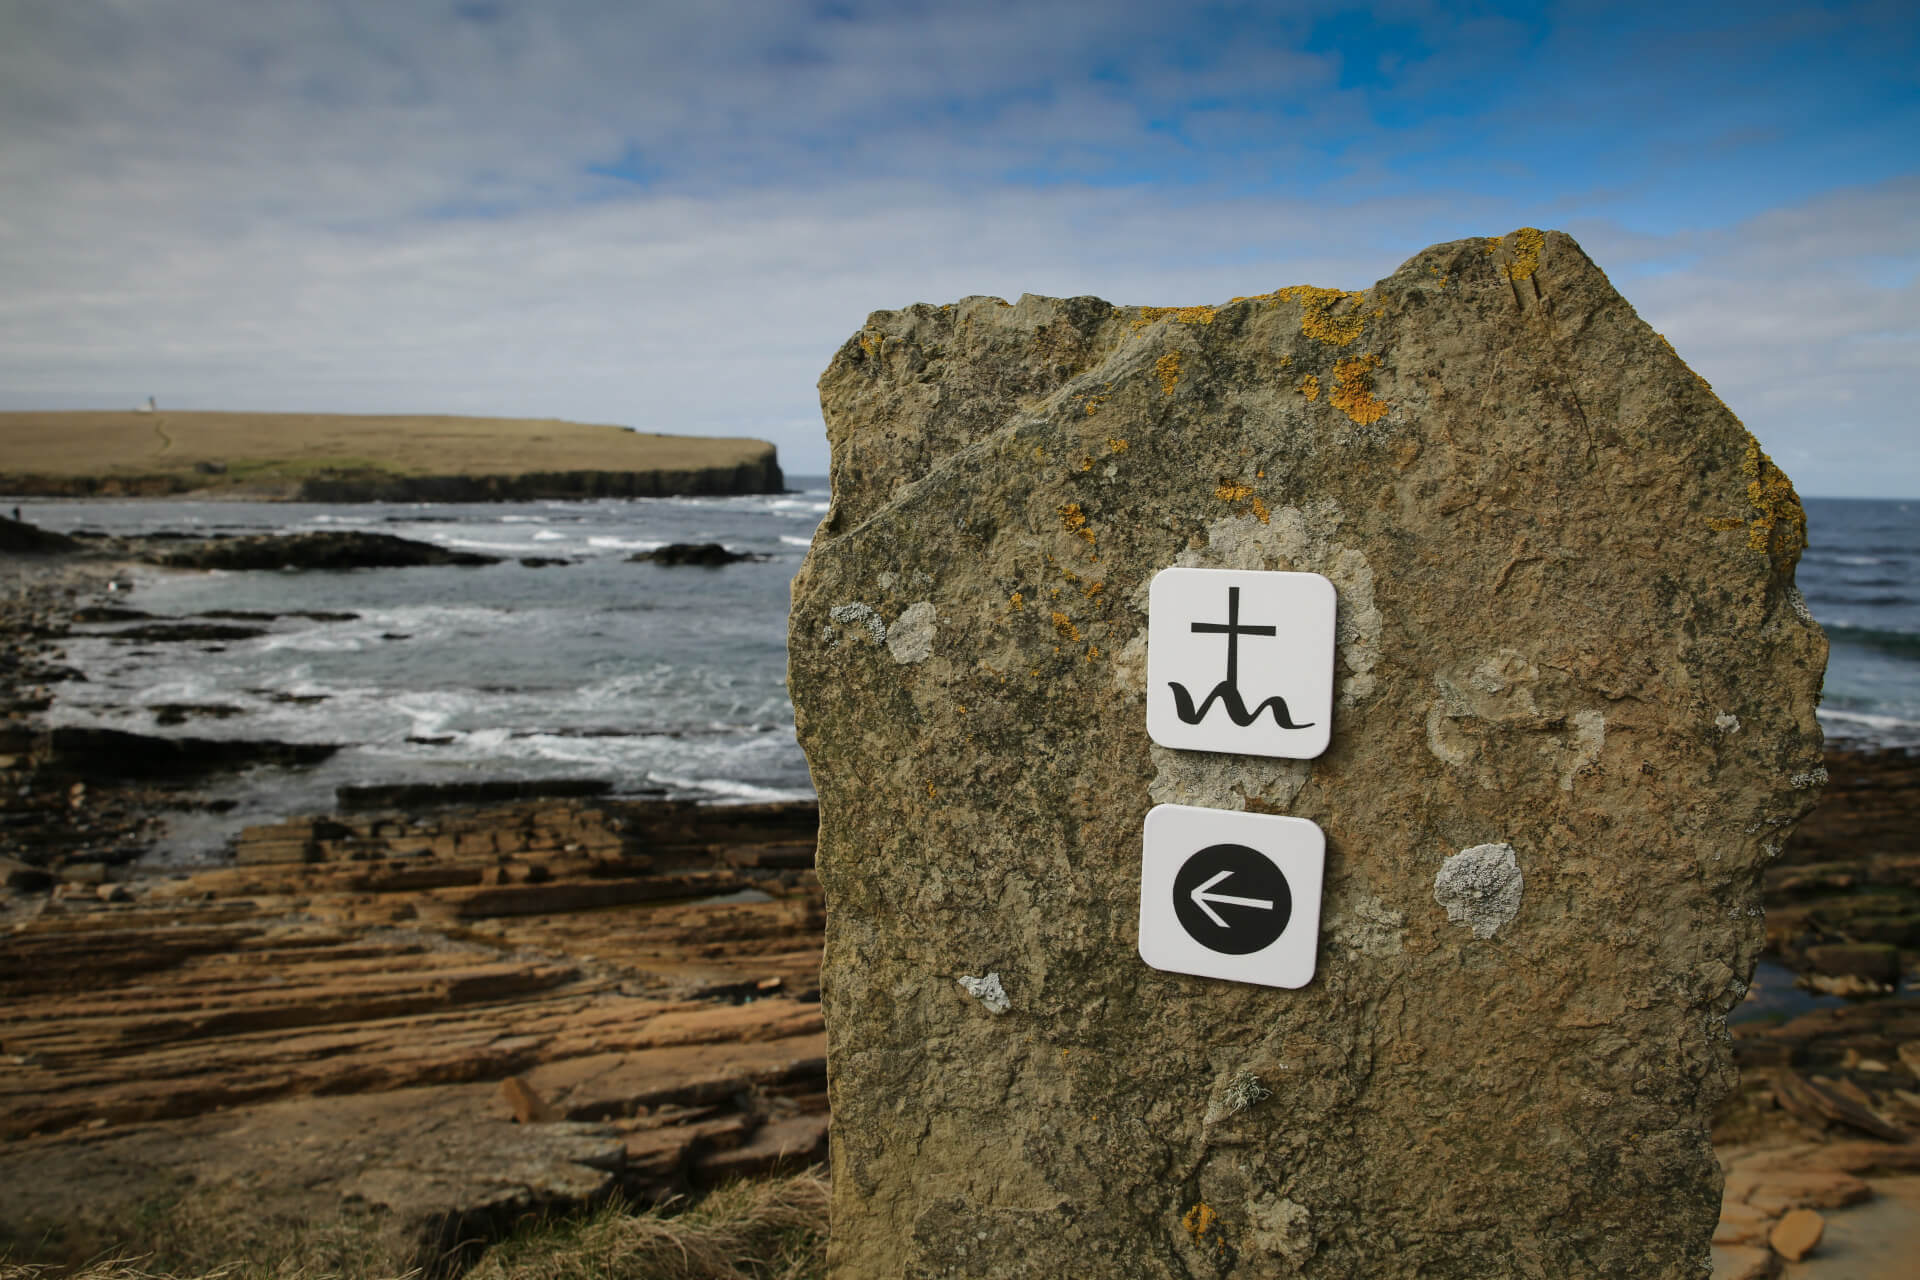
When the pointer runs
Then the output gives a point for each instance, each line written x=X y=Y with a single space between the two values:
x=327 y=457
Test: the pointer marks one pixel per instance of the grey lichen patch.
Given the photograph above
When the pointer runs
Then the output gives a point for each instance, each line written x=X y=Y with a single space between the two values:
x=1282 y=1229
x=862 y=614
x=1128 y=666
x=1370 y=927
x=1480 y=887
x=1243 y=1092
x=1727 y=722
x=1589 y=736
x=910 y=639
x=1302 y=540
x=987 y=991
x=1216 y=780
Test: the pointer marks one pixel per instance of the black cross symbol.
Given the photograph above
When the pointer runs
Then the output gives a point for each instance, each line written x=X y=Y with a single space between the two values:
x=1232 y=629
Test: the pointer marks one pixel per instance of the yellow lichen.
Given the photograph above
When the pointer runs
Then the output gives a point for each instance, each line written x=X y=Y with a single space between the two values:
x=870 y=343
x=1118 y=446
x=1316 y=320
x=1309 y=387
x=1086 y=462
x=1353 y=389
x=1093 y=651
x=1096 y=589
x=1781 y=527
x=1233 y=492
x=1074 y=520
x=1016 y=601
x=1260 y=511
x=1527 y=243
x=1064 y=625
x=1200 y=1219
x=1094 y=403
x=1167 y=368
x=1721 y=524
x=1180 y=315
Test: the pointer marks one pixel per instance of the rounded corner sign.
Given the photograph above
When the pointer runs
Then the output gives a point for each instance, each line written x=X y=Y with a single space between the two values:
x=1241 y=660
x=1233 y=895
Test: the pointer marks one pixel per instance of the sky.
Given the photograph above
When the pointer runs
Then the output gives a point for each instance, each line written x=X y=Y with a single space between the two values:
x=669 y=216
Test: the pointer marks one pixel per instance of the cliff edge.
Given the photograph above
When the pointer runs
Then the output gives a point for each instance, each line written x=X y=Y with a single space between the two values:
x=365 y=458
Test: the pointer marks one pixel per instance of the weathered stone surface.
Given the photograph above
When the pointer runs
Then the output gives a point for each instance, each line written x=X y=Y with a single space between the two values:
x=1562 y=566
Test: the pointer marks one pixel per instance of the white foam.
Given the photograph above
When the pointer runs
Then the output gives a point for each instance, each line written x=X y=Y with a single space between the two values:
x=481 y=544
x=626 y=544
x=731 y=791
x=549 y=535
x=1866 y=719
x=796 y=542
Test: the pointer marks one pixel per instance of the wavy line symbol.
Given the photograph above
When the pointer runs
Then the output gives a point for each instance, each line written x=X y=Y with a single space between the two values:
x=1236 y=707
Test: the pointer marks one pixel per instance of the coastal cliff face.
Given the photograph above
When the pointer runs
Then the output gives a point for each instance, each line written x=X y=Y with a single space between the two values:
x=762 y=476
x=1573 y=721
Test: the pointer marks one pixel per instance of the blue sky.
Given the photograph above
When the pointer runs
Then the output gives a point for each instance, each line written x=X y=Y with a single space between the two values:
x=669 y=216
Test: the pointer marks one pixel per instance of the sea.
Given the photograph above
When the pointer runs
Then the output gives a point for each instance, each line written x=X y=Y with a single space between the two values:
x=661 y=681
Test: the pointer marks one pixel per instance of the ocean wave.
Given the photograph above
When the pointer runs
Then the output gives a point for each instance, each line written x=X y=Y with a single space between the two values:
x=1901 y=644
x=482 y=544
x=796 y=542
x=1884 y=729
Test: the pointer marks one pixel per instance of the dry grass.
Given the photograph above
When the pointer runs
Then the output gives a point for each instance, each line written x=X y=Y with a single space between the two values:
x=773 y=1229
x=281 y=446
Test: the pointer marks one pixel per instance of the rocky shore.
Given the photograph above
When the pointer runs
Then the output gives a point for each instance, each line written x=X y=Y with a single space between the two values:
x=425 y=1016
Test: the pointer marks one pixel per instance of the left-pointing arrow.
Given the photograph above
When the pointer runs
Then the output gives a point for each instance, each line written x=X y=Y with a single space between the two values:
x=1204 y=900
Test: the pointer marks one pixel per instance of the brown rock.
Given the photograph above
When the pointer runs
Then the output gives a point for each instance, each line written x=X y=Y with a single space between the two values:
x=527 y=1106
x=1740 y=1262
x=1741 y=1224
x=1811 y=1101
x=1910 y=1058
x=1778 y=1192
x=1797 y=1234
x=1877 y=962
x=1564 y=572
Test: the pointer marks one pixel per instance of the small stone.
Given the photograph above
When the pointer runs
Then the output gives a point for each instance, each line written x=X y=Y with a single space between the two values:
x=1797 y=1234
x=528 y=1106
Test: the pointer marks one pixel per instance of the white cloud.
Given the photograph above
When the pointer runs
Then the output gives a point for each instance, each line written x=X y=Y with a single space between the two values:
x=351 y=207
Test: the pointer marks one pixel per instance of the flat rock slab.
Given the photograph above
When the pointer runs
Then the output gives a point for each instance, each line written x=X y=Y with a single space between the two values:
x=1566 y=627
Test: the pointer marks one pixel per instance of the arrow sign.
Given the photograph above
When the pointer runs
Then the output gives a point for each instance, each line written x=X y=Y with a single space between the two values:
x=1203 y=899
x=1230 y=894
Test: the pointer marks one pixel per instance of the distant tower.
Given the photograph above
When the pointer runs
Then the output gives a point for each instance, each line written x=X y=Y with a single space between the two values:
x=150 y=406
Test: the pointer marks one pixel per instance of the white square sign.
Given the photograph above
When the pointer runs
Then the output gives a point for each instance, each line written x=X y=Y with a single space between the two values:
x=1240 y=660
x=1225 y=894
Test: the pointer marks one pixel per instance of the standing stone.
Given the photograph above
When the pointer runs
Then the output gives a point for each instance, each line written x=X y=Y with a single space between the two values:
x=1570 y=654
